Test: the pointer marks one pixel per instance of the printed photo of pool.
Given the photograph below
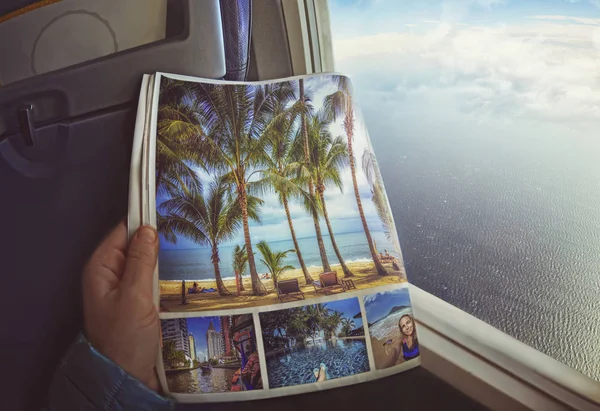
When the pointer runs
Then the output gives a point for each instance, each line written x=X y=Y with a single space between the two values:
x=340 y=357
x=314 y=343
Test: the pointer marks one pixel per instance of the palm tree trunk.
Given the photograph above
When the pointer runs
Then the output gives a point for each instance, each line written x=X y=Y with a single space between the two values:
x=215 y=260
x=345 y=269
x=241 y=282
x=258 y=288
x=311 y=189
x=349 y=125
x=286 y=206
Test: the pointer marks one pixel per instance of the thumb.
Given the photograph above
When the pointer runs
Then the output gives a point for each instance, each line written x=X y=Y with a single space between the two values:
x=141 y=260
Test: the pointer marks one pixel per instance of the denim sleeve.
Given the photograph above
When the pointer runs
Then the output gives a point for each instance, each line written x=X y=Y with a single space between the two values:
x=87 y=380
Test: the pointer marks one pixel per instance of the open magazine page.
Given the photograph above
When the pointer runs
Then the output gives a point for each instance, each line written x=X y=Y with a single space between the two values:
x=279 y=270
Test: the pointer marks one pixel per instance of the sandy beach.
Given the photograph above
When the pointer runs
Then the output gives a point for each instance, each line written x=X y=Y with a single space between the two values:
x=383 y=360
x=364 y=277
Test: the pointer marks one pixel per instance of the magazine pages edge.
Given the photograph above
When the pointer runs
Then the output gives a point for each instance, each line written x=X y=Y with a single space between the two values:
x=371 y=373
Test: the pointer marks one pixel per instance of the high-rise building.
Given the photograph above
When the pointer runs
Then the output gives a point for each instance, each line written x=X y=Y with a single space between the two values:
x=225 y=322
x=176 y=330
x=193 y=354
x=214 y=342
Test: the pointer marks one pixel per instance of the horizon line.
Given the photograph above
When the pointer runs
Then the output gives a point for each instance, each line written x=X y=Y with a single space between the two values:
x=271 y=242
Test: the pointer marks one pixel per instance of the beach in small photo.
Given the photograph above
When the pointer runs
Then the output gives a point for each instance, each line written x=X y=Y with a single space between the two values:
x=314 y=343
x=391 y=328
x=268 y=193
x=210 y=354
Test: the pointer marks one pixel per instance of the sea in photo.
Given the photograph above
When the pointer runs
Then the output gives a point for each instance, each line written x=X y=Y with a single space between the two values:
x=268 y=211
x=210 y=354
x=391 y=328
x=314 y=343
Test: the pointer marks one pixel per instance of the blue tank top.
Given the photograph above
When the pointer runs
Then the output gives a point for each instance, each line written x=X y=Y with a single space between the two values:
x=410 y=353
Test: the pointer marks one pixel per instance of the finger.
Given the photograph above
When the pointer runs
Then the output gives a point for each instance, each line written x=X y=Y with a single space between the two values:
x=107 y=263
x=141 y=260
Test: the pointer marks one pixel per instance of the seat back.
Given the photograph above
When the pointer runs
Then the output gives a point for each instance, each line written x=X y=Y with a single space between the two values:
x=328 y=279
x=67 y=190
x=288 y=286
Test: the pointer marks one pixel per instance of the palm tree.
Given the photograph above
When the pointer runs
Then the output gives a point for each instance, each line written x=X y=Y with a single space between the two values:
x=281 y=170
x=240 y=262
x=297 y=325
x=315 y=314
x=209 y=220
x=179 y=134
x=331 y=323
x=237 y=119
x=327 y=157
x=169 y=350
x=311 y=190
x=274 y=260
x=347 y=326
x=340 y=104
x=379 y=197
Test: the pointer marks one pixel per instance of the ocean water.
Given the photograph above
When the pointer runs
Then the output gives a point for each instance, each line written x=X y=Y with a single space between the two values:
x=342 y=358
x=506 y=228
x=196 y=381
x=195 y=264
x=387 y=327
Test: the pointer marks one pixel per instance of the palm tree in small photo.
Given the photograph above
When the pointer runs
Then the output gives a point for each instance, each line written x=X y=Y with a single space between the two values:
x=340 y=103
x=240 y=263
x=347 y=326
x=274 y=260
x=331 y=323
x=328 y=156
x=210 y=219
x=169 y=353
x=315 y=314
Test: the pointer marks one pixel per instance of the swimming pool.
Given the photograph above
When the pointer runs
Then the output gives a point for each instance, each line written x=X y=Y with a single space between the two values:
x=342 y=358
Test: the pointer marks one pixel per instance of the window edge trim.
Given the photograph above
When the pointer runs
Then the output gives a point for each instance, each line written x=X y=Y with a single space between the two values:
x=492 y=347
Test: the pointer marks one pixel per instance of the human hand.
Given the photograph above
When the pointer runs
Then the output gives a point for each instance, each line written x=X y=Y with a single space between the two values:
x=120 y=318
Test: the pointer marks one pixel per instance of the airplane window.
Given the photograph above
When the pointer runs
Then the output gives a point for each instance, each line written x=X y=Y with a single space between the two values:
x=485 y=117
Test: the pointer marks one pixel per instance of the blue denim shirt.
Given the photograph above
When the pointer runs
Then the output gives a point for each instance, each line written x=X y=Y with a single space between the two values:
x=87 y=380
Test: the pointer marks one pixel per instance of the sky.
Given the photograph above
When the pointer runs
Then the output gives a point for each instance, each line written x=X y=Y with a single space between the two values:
x=507 y=64
x=198 y=328
x=379 y=305
x=349 y=308
x=341 y=206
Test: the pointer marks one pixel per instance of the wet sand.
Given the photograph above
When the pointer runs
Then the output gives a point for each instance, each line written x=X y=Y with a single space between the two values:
x=365 y=277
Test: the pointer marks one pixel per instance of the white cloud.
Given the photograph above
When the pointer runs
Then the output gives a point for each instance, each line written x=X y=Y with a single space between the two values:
x=410 y=25
x=547 y=68
x=580 y=20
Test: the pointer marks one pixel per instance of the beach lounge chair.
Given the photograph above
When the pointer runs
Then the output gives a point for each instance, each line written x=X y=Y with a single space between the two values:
x=328 y=282
x=289 y=288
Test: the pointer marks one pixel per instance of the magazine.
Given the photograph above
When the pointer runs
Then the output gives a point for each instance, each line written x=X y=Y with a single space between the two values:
x=280 y=270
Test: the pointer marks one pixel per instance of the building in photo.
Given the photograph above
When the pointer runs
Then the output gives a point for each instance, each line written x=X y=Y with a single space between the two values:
x=176 y=329
x=214 y=342
x=193 y=354
x=226 y=333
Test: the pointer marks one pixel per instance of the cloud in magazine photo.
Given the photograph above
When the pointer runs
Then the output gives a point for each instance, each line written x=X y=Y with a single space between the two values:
x=210 y=354
x=314 y=343
x=268 y=193
x=391 y=327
